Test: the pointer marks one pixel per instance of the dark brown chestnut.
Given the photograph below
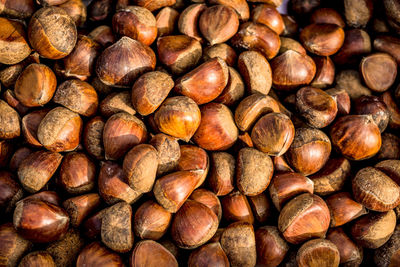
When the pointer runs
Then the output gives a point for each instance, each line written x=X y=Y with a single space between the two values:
x=343 y=209
x=96 y=254
x=210 y=254
x=350 y=253
x=379 y=71
x=12 y=245
x=372 y=105
x=271 y=247
x=235 y=207
x=148 y=253
x=221 y=178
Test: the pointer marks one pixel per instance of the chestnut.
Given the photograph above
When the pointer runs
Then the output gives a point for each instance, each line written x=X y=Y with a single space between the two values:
x=204 y=83
x=135 y=22
x=112 y=185
x=194 y=158
x=60 y=130
x=15 y=47
x=281 y=165
x=37 y=258
x=273 y=134
x=254 y=171
x=221 y=178
x=81 y=61
x=268 y=15
x=11 y=99
x=342 y=99
x=76 y=9
x=168 y=152
x=210 y=254
x=11 y=192
x=372 y=105
x=365 y=229
x=240 y=6
x=148 y=253
x=343 y=209
x=46 y=36
x=115 y=103
x=239 y=243
x=318 y=252
x=235 y=207
x=285 y=186
x=99 y=10
x=332 y=177
x=309 y=151
x=179 y=53
x=103 y=35
x=255 y=71
x=208 y=199
x=18 y=9
x=379 y=71
x=388 y=44
x=12 y=245
x=188 y=20
x=179 y=117
x=375 y=190
x=223 y=51
x=350 y=81
x=39 y=221
x=271 y=247
x=390 y=148
x=130 y=59
x=92 y=226
x=259 y=37
x=261 y=206
x=218 y=23
x=322 y=39
x=304 y=217
x=358 y=13
x=47 y=196
x=9 y=122
x=116 y=227
x=93 y=137
x=151 y=221
x=193 y=225
x=350 y=253
x=356 y=43
x=166 y=20
x=172 y=190
x=388 y=254
x=393 y=108
x=78 y=208
x=291 y=27
x=325 y=74
x=391 y=168
x=37 y=169
x=150 y=90
x=291 y=70
x=217 y=130
x=121 y=132
x=328 y=16
x=96 y=254
x=356 y=137
x=140 y=167
x=19 y=155
x=291 y=44
x=36 y=85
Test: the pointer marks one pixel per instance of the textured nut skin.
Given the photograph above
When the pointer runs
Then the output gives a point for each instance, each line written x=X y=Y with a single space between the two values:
x=37 y=258
x=210 y=254
x=318 y=252
x=96 y=254
x=12 y=246
x=152 y=254
x=9 y=122
x=15 y=46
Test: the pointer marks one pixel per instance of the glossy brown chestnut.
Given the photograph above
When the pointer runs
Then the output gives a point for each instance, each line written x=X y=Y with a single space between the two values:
x=11 y=99
x=379 y=71
x=78 y=208
x=93 y=137
x=261 y=206
x=327 y=15
x=304 y=217
x=204 y=83
x=47 y=196
x=103 y=35
x=36 y=85
x=137 y=23
x=391 y=168
x=356 y=43
x=179 y=53
x=291 y=44
x=221 y=178
x=325 y=74
x=268 y=15
x=365 y=229
x=151 y=221
x=235 y=207
x=60 y=130
x=375 y=190
x=76 y=9
x=388 y=44
x=168 y=152
x=193 y=225
x=318 y=252
x=255 y=71
x=123 y=62
x=254 y=171
x=240 y=6
x=291 y=70
x=194 y=158
x=172 y=190
x=210 y=254
x=238 y=242
x=218 y=23
x=285 y=186
x=255 y=36
x=342 y=99
x=357 y=137
x=179 y=117
x=15 y=47
x=52 y=33
x=39 y=221
x=37 y=258
x=343 y=209
x=166 y=20
x=9 y=122
x=10 y=190
x=223 y=51
x=150 y=90
x=153 y=5
x=271 y=247
x=350 y=253
x=208 y=199
x=372 y=105
x=19 y=155
x=393 y=108
x=121 y=132
x=115 y=103
x=96 y=254
x=188 y=20
x=322 y=39
x=12 y=245
x=112 y=185
x=148 y=253
x=17 y=9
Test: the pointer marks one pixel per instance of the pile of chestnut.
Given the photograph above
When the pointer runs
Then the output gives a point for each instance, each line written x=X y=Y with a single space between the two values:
x=199 y=133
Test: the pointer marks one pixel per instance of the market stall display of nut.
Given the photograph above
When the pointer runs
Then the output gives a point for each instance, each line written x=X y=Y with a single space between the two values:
x=152 y=133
